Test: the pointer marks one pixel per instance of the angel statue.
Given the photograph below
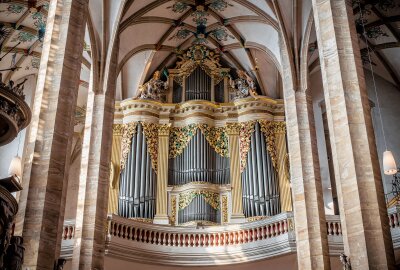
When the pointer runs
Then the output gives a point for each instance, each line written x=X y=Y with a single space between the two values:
x=154 y=89
x=243 y=86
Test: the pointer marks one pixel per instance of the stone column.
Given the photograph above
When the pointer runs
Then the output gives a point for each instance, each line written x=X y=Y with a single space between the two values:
x=308 y=205
x=237 y=215
x=359 y=185
x=161 y=216
x=46 y=166
x=91 y=214
x=94 y=184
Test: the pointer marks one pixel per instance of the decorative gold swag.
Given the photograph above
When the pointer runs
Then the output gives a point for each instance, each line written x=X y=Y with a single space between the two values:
x=269 y=129
x=211 y=198
x=180 y=137
x=150 y=130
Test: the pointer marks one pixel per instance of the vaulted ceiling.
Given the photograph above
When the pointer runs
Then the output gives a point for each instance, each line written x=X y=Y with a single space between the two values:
x=146 y=30
x=148 y=40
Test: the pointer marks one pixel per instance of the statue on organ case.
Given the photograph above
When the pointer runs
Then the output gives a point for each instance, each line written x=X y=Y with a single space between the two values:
x=243 y=86
x=154 y=89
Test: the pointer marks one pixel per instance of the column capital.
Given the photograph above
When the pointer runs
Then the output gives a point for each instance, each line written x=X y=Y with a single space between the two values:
x=233 y=129
x=163 y=130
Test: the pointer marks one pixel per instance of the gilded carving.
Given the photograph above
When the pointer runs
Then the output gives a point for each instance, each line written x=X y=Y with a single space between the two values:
x=154 y=89
x=268 y=128
x=211 y=198
x=199 y=55
x=127 y=134
x=163 y=130
x=233 y=128
x=243 y=86
x=150 y=130
x=224 y=209
x=217 y=138
x=118 y=129
x=245 y=132
x=181 y=136
x=173 y=210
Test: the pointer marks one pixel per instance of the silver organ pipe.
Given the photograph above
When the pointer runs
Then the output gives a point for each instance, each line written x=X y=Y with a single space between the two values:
x=259 y=180
x=199 y=210
x=219 y=92
x=198 y=85
x=138 y=180
x=199 y=162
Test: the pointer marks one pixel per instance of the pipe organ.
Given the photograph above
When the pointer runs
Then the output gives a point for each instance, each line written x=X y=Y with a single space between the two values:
x=198 y=162
x=259 y=179
x=201 y=147
x=138 y=181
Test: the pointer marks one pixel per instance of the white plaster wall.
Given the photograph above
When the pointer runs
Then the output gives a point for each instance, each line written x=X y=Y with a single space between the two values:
x=389 y=97
x=8 y=151
x=317 y=93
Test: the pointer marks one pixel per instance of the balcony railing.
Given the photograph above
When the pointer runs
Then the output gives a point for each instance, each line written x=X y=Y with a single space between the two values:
x=134 y=240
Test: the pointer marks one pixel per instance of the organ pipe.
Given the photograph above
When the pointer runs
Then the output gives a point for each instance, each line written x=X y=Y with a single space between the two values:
x=198 y=85
x=199 y=162
x=259 y=180
x=138 y=179
x=199 y=210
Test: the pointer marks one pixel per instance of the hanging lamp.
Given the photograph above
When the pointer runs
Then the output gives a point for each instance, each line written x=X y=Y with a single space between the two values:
x=389 y=163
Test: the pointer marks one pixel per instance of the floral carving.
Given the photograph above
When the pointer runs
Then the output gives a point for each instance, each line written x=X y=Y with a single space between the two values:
x=179 y=138
x=267 y=128
x=173 y=210
x=270 y=129
x=210 y=197
x=118 y=129
x=150 y=130
x=217 y=138
x=128 y=131
x=245 y=132
x=224 y=209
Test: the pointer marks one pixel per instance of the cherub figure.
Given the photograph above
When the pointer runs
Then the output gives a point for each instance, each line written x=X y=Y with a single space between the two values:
x=154 y=89
x=244 y=86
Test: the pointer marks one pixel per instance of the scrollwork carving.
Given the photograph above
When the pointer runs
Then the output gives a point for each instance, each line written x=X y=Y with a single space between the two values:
x=128 y=130
x=150 y=130
x=210 y=197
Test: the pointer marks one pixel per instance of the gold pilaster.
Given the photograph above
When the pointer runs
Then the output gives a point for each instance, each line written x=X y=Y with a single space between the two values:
x=233 y=130
x=282 y=166
x=161 y=216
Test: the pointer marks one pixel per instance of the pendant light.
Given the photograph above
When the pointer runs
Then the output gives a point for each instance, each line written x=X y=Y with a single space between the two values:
x=15 y=168
x=389 y=163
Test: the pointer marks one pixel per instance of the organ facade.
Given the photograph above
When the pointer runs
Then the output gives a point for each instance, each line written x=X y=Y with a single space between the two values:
x=198 y=145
